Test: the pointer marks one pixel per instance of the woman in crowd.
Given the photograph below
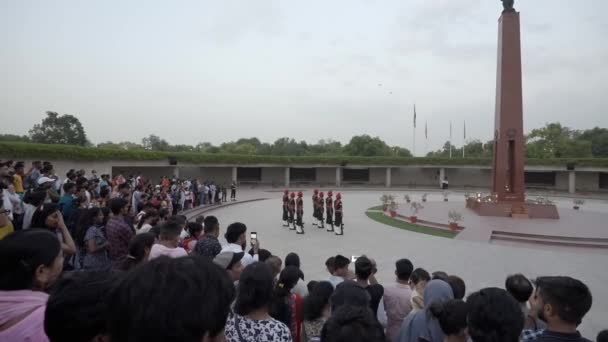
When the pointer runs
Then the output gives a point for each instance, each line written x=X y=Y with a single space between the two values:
x=316 y=310
x=287 y=306
x=92 y=242
x=292 y=259
x=418 y=281
x=48 y=216
x=31 y=201
x=251 y=320
x=139 y=250
x=148 y=220
x=195 y=231
x=30 y=261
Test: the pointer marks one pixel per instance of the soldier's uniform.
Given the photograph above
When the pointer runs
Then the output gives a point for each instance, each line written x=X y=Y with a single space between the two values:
x=320 y=205
x=299 y=214
x=314 y=207
x=338 y=222
x=292 y=211
x=329 y=207
x=285 y=208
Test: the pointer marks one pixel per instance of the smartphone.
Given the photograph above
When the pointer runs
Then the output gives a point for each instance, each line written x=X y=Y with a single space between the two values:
x=254 y=237
x=354 y=258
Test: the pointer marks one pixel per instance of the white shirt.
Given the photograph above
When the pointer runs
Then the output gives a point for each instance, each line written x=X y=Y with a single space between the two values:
x=247 y=258
x=158 y=250
x=335 y=280
x=144 y=228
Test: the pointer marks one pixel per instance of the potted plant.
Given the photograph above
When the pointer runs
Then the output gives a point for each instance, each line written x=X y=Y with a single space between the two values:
x=424 y=197
x=454 y=218
x=415 y=207
x=578 y=202
x=445 y=196
x=393 y=208
x=384 y=199
x=407 y=198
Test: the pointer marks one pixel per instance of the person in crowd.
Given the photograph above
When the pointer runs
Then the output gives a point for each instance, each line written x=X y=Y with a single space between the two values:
x=139 y=250
x=316 y=311
x=236 y=236
x=77 y=307
x=46 y=184
x=16 y=204
x=276 y=265
x=6 y=226
x=233 y=191
x=286 y=305
x=458 y=286
x=340 y=273
x=493 y=315
x=104 y=197
x=136 y=199
x=292 y=259
x=452 y=318
x=439 y=275
x=251 y=320
x=397 y=298
x=602 y=336
x=353 y=324
x=263 y=254
x=169 y=241
x=200 y=219
x=521 y=289
x=329 y=265
x=18 y=178
x=561 y=302
x=170 y=313
x=49 y=217
x=118 y=231
x=195 y=231
x=311 y=285
x=148 y=220
x=422 y=325
x=231 y=262
x=124 y=191
x=363 y=271
x=92 y=242
x=418 y=281
x=32 y=176
x=349 y=292
x=32 y=199
x=209 y=245
x=66 y=203
x=30 y=262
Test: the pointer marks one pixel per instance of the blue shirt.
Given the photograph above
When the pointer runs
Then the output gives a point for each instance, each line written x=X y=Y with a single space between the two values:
x=66 y=205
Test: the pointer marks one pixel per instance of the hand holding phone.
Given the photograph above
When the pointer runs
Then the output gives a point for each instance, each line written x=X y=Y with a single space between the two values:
x=254 y=238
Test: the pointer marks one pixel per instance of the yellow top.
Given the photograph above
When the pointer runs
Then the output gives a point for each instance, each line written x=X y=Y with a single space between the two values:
x=18 y=183
x=5 y=230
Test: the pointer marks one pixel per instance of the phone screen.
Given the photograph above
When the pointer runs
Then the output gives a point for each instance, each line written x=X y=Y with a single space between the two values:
x=354 y=258
x=254 y=235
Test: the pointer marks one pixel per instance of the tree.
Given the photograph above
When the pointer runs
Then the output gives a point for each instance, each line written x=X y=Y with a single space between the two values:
x=155 y=143
x=55 y=129
x=365 y=145
x=125 y=145
x=326 y=147
x=556 y=141
x=401 y=152
x=599 y=141
x=289 y=147
x=14 y=137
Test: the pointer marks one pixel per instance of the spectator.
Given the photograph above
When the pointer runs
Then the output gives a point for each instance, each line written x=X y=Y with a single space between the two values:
x=418 y=281
x=168 y=243
x=124 y=191
x=521 y=289
x=561 y=302
x=452 y=317
x=237 y=240
x=316 y=311
x=168 y=295
x=493 y=315
x=458 y=286
x=276 y=265
x=195 y=230
x=329 y=264
x=421 y=324
x=311 y=285
x=286 y=305
x=200 y=219
x=263 y=254
x=66 y=203
x=292 y=259
x=30 y=262
x=49 y=217
x=17 y=206
x=340 y=270
x=348 y=292
x=77 y=307
x=397 y=298
x=363 y=271
x=18 y=178
x=92 y=242
x=440 y=275
x=231 y=262
x=352 y=324
x=149 y=219
x=139 y=250
x=32 y=200
x=251 y=321
x=6 y=226
x=32 y=176
x=209 y=246
x=602 y=336
x=118 y=232
x=136 y=199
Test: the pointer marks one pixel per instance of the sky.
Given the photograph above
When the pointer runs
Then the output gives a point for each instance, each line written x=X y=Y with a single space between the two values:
x=195 y=71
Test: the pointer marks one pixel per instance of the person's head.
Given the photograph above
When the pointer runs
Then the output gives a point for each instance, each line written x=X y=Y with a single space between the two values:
x=19 y=168
x=311 y=285
x=276 y=264
x=77 y=306
x=170 y=231
x=235 y=233
x=403 y=270
x=439 y=275
x=519 y=287
x=317 y=300
x=119 y=206
x=561 y=300
x=452 y=318
x=161 y=293
x=352 y=324
x=139 y=250
x=37 y=164
x=494 y=315
x=363 y=268
x=30 y=259
x=292 y=259
x=150 y=217
x=255 y=289
x=200 y=219
x=212 y=226
x=69 y=188
x=46 y=216
x=231 y=262
x=418 y=279
x=35 y=197
x=341 y=265
x=104 y=193
x=329 y=264
x=349 y=292
x=602 y=336
x=458 y=286
x=124 y=188
x=194 y=229
x=89 y=217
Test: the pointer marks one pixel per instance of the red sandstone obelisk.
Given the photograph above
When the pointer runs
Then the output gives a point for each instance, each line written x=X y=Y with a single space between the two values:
x=508 y=166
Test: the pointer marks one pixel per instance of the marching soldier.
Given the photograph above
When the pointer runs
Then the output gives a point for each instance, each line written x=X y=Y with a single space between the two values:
x=320 y=204
x=339 y=215
x=285 y=208
x=329 y=207
x=292 y=210
x=299 y=214
x=314 y=206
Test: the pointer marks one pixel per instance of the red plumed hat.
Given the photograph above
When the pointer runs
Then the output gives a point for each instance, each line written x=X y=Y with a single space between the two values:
x=330 y=193
x=338 y=196
x=316 y=191
x=293 y=194
x=285 y=191
x=321 y=194
x=300 y=194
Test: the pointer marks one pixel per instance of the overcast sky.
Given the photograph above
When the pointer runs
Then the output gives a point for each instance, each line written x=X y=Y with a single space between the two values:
x=192 y=71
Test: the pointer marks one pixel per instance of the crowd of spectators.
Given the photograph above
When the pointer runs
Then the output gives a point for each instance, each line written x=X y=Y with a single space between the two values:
x=84 y=265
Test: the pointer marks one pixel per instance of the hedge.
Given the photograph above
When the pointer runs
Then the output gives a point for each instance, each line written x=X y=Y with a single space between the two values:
x=20 y=150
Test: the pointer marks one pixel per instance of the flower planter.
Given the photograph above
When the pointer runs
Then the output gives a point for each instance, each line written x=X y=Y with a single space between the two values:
x=393 y=213
x=413 y=219
x=408 y=201
x=445 y=199
x=576 y=207
x=453 y=226
x=423 y=200
x=385 y=207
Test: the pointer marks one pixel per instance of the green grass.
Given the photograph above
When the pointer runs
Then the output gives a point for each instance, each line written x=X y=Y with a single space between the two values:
x=378 y=207
x=380 y=217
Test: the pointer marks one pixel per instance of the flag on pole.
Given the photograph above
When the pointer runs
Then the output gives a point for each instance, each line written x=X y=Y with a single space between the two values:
x=465 y=130
x=426 y=133
x=414 y=115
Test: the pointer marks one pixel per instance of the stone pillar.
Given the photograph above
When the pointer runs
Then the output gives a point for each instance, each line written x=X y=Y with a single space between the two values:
x=338 y=176
x=572 y=181
x=234 y=175
x=287 y=177
x=176 y=172
x=441 y=176
x=388 y=177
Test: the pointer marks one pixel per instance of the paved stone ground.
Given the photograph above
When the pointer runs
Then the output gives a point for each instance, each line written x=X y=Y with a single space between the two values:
x=480 y=264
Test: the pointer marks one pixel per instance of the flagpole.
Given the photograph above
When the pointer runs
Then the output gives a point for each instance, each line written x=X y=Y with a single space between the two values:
x=450 y=138
x=414 y=135
x=426 y=138
x=464 y=140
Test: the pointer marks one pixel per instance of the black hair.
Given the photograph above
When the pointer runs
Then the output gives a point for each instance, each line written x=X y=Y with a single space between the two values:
x=602 y=336
x=570 y=297
x=161 y=293
x=263 y=254
x=317 y=299
x=85 y=221
x=235 y=230
x=451 y=315
x=179 y=219
x=519 y=287
x=403 y=269
x=210 y=223
x=151 y=212
x=349 y=293
x=363 y=268
x=41 y=214
x=419 y=275
x=20 y=255
x=200 y=219
x=279 y=309
x=68 y=186
x=459 y=288
x=124 y=185
x=170 y=230
x=340 y=261
x=440 y=275
x=137 y=250
x=194 y=228
x=292 y=259
x=77 y=306
x=255 y=288
x=311 y=285
x=330 y=263
x=352 y=324
x=494 y=316
x=116 y=205
x=104 y=192
x=156 y=231
x=35 y=197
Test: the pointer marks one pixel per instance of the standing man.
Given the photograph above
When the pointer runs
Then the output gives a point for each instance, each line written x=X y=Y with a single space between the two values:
x=339 y=215
x=320 y=204
x=329 y=207
x=314 y=206
x=285 y=208
x=299 y=214
x=233 y=191
x=118 y=231
x=292 y=210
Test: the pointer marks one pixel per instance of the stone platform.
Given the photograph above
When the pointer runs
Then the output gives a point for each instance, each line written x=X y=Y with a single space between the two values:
x=513 y=210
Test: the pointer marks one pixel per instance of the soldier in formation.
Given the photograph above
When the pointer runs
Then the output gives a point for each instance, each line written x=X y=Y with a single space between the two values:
x=291 y=206
x=299 y=214
x=329 y=207
x=338 y=222
x=285 y=208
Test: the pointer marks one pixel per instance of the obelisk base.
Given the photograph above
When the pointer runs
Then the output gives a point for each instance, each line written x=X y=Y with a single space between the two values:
x=513 y=209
